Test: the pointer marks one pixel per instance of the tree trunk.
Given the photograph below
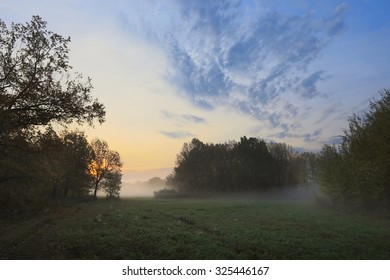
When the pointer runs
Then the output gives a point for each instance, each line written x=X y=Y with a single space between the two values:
x=96 y=188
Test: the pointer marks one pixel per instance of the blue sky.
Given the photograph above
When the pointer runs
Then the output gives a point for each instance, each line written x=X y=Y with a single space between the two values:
x=168 y=71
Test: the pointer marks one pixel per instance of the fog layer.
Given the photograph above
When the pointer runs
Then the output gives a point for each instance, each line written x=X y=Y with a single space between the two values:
x=138 y=190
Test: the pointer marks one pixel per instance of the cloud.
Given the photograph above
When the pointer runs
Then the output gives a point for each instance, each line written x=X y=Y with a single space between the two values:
x=309 y=85
x=334 y=140
x=311 y=137
x=218 y=48
x=188 y=118
x=330 y=111
x=291 y=109
x=274 y=119
x=194 y=119
x=307 y=137
x=177 y=134
x=336 y=23
x=244 y=55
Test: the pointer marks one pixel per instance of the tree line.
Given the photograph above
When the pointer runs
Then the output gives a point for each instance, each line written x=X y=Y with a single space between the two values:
x=37 y=90
x=250 y=164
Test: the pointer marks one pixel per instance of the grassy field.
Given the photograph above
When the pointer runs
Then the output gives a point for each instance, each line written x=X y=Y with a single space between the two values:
x=195 y=229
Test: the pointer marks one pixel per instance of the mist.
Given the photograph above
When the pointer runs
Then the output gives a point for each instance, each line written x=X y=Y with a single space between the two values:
x=142 y=188
x=138 y=189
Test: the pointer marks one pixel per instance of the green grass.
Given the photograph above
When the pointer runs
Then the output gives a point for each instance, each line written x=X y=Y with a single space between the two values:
x=196 y=229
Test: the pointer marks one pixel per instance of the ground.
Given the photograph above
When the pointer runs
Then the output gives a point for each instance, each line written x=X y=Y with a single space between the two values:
x=196 y=229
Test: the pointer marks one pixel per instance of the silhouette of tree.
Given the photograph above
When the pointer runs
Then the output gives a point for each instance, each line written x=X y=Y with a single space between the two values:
x=356 y=172
x=77 y=157
x=103 y=163
x=112 y=184
x=44 y=166
x=38 y=88
x=36 y=83
x=248 y=165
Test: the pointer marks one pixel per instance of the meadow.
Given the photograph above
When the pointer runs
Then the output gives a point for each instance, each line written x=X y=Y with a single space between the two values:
x=196 y=229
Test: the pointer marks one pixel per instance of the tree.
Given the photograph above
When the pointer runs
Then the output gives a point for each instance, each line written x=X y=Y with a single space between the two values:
x=194 y=171
x=36 y=83
x=77 y=157
x=332 y=173
x=252 y=163
x=103 y=163
x=51 y=158
x=23 y=176
x=44 y=167
x=310 y=161
x=38 y=88
x=357 y=171
x=63 y=160
x=287 y=164
x=112 y=184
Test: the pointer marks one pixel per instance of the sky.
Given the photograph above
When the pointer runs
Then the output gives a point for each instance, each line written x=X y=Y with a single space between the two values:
x=169 y=71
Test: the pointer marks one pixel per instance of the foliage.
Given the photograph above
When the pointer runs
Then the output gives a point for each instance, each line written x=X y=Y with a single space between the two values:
x=357 y=171
x=78 y=155
x=112 y=184
x=104 y=162
x=36 y=83
x=44 y=166
x=37 y=89
x=248 y=165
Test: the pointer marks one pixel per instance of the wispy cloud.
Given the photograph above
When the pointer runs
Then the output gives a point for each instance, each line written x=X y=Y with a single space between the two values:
x=307 y=137
x=334 y=140
x=194 y=119
x=177 y=134
x=309 y=85
x=187 y=118
x=271 y=50
x=218 y=49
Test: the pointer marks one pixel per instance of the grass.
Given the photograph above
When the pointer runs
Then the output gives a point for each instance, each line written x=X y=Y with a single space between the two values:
x=195 y=229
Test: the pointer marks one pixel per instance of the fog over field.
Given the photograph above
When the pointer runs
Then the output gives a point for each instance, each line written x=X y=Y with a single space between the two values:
x=298 y=193
x=304 y=193
x=134 y=190
x=138 y=190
